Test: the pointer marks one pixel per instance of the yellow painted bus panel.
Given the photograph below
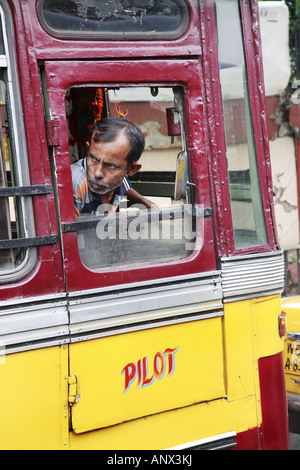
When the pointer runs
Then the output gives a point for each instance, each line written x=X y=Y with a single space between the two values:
x=238 y=339
x=131 y=375
x=33 y=399
x=250 y=332
x=268 y=310
x=173 y=428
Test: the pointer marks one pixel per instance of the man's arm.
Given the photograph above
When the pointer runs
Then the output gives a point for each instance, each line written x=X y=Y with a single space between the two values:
x=137 y=198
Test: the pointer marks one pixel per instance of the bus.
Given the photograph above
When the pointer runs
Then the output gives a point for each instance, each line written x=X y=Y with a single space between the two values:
x=156 y=327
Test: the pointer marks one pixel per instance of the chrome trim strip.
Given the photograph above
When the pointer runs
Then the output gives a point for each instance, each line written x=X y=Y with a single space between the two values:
x=26 y=303
x=45 y=321
x=220 y=441
x=113 y=322
x=249 y=275
x=39 y=322
x=93 y=330
x=143 y=306
x=158 y=298
x=33 y=323
x=30 y=340
x=145 y=284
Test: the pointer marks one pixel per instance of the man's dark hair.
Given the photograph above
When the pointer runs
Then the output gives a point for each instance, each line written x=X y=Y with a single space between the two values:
x=108 y=129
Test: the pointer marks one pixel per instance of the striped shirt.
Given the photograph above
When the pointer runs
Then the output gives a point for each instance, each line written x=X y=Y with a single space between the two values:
x=86 y=201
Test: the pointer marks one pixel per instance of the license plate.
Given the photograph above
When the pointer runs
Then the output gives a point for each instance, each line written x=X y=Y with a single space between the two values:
x=292 y=357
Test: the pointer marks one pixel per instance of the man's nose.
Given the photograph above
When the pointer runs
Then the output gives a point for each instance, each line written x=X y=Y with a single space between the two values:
x=99 y=173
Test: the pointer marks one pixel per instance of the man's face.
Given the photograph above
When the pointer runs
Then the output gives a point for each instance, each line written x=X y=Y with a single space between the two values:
x=107 y=164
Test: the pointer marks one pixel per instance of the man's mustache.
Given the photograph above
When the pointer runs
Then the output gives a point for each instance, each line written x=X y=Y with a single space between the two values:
x=98 y=183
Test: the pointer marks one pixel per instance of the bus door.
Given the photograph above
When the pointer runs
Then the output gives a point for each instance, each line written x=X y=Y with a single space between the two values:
x=144 y=291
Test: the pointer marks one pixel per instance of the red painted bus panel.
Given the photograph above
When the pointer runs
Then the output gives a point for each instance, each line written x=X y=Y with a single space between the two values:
x=275 y=434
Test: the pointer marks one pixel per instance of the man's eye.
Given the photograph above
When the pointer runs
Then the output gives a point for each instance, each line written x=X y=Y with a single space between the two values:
x=111 y=166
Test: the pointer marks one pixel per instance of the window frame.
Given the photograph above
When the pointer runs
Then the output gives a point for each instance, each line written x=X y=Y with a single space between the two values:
x=253 y=62
x=60 y=76
x=90 y=35
x=22 y=189
x=132 y=245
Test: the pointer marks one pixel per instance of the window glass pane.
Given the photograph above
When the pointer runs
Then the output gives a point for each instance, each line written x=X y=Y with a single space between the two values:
x=2 y=51
x=115 y=18
x=10 y=210
x=246 y=202
x=136 y=231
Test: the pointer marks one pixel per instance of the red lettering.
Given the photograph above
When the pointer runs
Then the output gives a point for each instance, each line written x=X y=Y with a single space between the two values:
x=159 y=357
x=162 y=361
x=139 y=371
x=146 y=381
x=130 y=373
x=170 y=354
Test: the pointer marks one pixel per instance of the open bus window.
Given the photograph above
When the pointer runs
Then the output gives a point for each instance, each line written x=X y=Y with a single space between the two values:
x=246 y=201
x=134 y=235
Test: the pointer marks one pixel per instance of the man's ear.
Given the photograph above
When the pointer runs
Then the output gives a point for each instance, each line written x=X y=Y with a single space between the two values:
x=133 y=168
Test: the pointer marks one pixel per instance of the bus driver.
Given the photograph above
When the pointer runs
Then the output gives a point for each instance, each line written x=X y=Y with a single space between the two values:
x=115 y=145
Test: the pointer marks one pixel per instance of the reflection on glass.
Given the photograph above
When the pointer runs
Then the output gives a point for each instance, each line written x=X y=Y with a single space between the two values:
x=137 y=237
x=246 y=203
